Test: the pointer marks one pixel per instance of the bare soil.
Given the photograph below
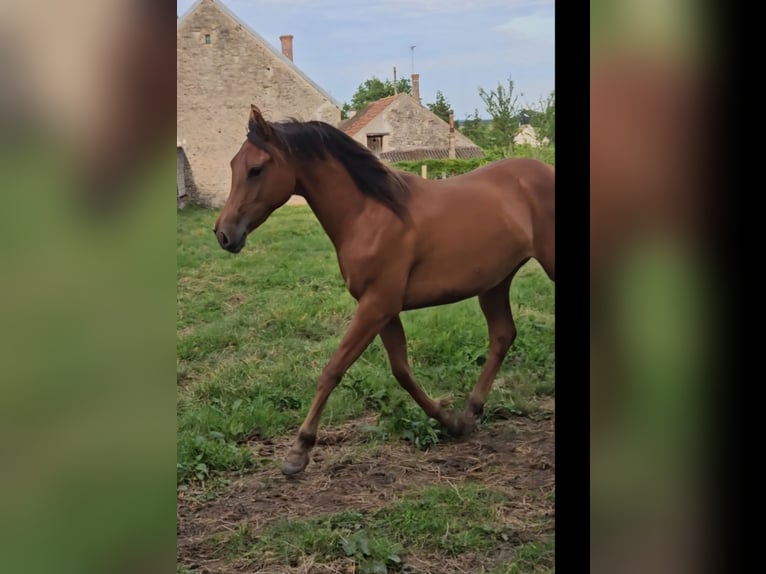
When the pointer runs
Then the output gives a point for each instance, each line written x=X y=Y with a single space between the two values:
x=515 y=456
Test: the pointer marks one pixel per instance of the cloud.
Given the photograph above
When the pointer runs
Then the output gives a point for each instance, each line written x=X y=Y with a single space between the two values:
x=538 y=27
x=369 y=11
x=456 y=6
x=461 y=44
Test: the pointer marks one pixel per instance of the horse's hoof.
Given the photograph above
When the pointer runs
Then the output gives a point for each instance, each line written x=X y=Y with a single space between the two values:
x=295 y=463
x=469 y=423
x=454 y=424
x=460 y=425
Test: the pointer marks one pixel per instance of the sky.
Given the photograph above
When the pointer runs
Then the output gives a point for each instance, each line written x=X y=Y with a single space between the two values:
x=460 y=45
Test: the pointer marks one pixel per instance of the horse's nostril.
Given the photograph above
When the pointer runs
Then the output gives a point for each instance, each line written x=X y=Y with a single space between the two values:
x=223 y=239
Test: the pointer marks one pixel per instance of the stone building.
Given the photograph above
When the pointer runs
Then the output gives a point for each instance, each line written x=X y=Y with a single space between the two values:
x=527 y=135
x=400 y=128
x=223 y=66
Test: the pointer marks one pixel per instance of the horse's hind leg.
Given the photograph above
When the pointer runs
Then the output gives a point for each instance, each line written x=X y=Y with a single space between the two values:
x=395 y=343
x=545 y=253
x=496 y=306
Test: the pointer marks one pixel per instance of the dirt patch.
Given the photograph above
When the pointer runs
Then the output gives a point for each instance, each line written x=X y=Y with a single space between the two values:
x=514 y=456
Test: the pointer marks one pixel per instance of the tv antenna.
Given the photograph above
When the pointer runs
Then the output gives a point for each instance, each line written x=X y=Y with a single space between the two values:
x=412 y=55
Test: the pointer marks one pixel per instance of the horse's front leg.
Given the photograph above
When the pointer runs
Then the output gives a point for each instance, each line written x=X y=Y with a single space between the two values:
x=370 y=317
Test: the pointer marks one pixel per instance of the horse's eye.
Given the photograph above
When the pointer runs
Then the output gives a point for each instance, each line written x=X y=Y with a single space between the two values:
x=254 y=172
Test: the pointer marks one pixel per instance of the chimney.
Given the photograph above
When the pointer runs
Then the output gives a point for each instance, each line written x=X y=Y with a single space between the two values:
x=287 y=45
x=416 y=87
x=395 y=90
x=452 y=151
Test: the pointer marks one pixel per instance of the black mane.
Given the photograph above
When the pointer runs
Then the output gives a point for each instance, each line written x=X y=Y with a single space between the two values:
x=315 y=140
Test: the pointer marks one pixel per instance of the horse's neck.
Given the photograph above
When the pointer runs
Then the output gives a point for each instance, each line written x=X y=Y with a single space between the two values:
x=333 y=197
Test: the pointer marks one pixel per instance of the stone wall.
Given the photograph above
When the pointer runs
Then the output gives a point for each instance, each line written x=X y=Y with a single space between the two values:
x=217 y=82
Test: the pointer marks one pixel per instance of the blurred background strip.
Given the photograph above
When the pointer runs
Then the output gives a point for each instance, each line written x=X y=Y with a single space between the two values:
x=87 y=296
x=653 y=286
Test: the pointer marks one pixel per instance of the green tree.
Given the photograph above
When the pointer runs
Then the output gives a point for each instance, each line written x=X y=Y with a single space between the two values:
x=475 y=129
x=502 y=106
x=372 y=90
x=440 y=107
x=544 y=119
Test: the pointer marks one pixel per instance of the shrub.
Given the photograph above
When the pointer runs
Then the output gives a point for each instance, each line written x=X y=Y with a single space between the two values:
x=451 y=167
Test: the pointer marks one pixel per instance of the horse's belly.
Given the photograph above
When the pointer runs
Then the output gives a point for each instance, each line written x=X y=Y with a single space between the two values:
x=466 y=249
x=433 y=284
x=417 y=299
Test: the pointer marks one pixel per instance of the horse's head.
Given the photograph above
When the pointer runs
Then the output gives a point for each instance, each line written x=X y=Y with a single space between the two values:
x=261 y=181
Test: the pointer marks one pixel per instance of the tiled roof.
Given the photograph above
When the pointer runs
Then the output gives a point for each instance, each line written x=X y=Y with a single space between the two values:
x=365 y=115
x=430 y=153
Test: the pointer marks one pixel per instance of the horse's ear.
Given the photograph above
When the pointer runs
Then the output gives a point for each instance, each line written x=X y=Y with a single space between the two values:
x=258 y=124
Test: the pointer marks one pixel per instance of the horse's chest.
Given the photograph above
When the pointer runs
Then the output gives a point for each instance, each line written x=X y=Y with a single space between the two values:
x=380 y=256
x=358 y=271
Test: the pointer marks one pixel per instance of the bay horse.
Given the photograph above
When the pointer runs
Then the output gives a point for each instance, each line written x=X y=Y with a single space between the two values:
x=402 y=243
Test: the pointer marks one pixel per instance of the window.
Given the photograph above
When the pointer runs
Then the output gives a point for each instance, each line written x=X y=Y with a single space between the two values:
x=207 y=38
x=375 y=142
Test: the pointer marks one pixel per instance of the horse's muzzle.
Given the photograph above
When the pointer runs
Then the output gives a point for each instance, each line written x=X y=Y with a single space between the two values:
x=228 y=243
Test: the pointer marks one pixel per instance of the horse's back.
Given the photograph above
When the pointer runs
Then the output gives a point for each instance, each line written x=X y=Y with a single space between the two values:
x=505 y=207
x=530 y=176
x=516 y=187
x=470 y=232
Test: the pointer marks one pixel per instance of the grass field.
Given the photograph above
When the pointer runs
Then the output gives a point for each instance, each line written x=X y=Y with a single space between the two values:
x=386 y=491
